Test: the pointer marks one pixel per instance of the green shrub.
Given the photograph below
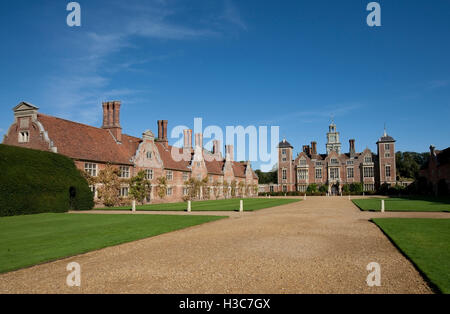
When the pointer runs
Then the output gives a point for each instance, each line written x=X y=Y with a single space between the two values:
x=34 y=181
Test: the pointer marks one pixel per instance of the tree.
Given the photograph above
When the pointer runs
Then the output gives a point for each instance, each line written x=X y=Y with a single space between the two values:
x=241 y=188
x=162 y=187
x=357 y=188
x=267 y=177
x=216 y=189
x=226 y=189
x=312 y=188
x=323 y=188
x=139 y=187
x=409 y=163
x=233 y=188
x=108 y=191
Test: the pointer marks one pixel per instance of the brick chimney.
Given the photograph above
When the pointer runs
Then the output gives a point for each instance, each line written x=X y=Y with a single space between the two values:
x=216 y=147
x=162 y=131
x=199 y=140
x=111 y=119
x=229 y=151
x=313 y=148
x=306 y=149
x=187 y=139
x=352 y=148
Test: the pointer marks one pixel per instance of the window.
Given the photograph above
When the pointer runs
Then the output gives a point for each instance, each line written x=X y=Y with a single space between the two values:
x=185 y=191
x=284 y=188
x=124 y=171
x=91 y=169
x=284 y=174
x=24 y=137
x=368 y=172
x=318 y=173
x=169 y=175
x=387 y=146
x=350 y=173
x=185 y=176
x=388 y=171
x=350 y=162
x=387 y=154
x=148 y=174
x=368 y=159
x=210 y=178
x=271 y=188
x=303 y=174
x=123 y=192
x=369 y=187
x=334 y=161
x=302 y=162
x=302 y=188
x=149 y=155
x=334 y=173
x=318 y=163
x=283 y=152
x=169 y=191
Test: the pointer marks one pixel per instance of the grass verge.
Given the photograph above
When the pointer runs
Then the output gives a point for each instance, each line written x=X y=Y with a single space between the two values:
x=250 y=204
x=426 y=242
x=404 y=204
x=34 y=239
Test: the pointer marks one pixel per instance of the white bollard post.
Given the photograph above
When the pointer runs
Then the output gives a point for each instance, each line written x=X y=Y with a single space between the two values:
x=304 y=197
x=349 y=197
x=382 y=206
x=241 y=206
x=133 y=206
x=189 y=207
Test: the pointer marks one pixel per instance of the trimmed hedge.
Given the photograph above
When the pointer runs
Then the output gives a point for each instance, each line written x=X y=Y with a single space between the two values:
x=34 y=181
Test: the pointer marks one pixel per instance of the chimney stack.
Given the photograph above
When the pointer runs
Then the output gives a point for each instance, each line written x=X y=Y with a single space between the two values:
x=187 y=139
x=229 y=150
x=352 y=148
x=199 y=140
x=162 y=131
x=111 y=119
x=313 y=148
x=306 y=149
x=216 y=147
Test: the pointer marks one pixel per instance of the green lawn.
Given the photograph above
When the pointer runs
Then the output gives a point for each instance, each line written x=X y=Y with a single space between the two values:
x=426 y=242
x=405 y=204
x=34 y=239
x=250 y=204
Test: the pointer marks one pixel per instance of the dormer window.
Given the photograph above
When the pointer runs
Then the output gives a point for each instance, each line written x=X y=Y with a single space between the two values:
x=24 y=137
x=334 y=161
x=149 y=155
x=368 y=159
x=302 y=162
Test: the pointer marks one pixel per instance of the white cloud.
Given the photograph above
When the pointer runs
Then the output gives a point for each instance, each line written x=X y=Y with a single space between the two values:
x=84 y=80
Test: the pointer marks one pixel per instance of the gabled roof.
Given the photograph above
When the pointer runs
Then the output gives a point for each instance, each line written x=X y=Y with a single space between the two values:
x=24 y=106
x=165 y=152
x=80 y=141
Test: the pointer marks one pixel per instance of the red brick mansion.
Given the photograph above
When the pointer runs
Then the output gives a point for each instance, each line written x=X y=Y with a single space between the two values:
x=336 y=168
x=93 y=148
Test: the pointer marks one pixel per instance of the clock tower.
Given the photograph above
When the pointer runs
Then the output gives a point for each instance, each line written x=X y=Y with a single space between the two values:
x=333 y=141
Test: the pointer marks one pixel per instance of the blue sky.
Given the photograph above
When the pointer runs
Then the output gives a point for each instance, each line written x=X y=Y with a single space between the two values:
x=246 y=62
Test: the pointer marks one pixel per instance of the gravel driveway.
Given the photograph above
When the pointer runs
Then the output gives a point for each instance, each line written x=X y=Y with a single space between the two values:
x=321 y=245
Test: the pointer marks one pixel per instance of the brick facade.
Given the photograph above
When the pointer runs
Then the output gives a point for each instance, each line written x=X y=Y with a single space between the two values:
x=92 y=147
x=335 y=168
x=437 y=171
